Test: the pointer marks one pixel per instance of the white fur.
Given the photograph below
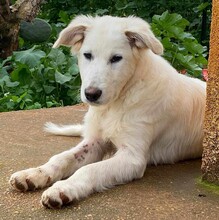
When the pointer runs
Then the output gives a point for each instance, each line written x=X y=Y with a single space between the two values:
x=147 y=111
x=66 y=130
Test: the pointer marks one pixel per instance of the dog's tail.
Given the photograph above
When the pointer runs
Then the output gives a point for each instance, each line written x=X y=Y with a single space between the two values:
x=65 y=130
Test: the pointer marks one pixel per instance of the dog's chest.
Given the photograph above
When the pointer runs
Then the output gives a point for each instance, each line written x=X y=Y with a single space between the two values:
x=107 y=123
x=112 y=124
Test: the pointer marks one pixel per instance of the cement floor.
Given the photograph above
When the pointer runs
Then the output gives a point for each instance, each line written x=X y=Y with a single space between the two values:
x=165 y=192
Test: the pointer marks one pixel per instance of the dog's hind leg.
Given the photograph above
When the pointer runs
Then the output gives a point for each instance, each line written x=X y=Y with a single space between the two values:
x=59 y=166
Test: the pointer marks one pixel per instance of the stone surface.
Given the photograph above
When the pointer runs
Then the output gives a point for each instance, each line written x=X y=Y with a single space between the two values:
x=165 y=191
x=210 y=162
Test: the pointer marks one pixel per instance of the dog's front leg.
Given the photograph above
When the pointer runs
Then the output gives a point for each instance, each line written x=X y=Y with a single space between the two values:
x=126 y=165
x=59 y=166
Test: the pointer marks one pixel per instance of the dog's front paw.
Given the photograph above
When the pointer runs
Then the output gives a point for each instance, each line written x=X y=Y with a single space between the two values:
x=56 y=196
x=30 y=179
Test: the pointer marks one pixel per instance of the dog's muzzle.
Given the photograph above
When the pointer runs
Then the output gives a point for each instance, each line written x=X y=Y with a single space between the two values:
x=92 y=94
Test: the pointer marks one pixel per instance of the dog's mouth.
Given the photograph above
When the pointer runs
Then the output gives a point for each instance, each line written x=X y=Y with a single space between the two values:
x=96 y=103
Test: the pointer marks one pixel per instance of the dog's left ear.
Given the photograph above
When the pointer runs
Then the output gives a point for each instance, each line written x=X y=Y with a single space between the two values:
x=140 y=36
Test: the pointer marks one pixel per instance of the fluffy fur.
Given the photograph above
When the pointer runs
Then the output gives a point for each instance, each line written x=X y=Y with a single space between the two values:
x=139 y=105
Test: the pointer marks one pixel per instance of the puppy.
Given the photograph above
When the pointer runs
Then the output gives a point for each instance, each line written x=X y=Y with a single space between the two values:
x=138 y=105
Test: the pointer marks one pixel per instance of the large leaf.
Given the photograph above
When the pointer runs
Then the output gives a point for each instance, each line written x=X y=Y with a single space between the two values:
x=60 y=78
x=74 y=69
x=48 y=89
x=194 y=47
x=29 y=57
x=167 y=20
x=57 y=56
x=5 y=80
x=21 y=74
x=173 y=25
x=188 y=62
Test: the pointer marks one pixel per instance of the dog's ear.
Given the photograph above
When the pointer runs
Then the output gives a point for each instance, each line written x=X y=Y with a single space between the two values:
x=140 y=36
x=73 y=35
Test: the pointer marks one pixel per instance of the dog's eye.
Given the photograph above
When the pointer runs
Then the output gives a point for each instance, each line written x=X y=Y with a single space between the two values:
x=115 y=59
x=88 y=56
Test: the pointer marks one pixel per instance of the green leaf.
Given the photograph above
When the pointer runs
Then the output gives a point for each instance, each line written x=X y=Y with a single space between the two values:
x=3 y=80
x=120 y=5
x=29 y=57
x=201 y=60
x=57 y=56
x=74 y=69
x=3 y=71
x=12 y=84
x=60 y=78
x=175 y=31
x=51 y=104
x=6 y=80
x=36 y=105
x=10 y=105
x=48 y=89
x=201 y=7
x=101 y=11
x=167 y=20
x=194 y=47
x=188 y=62
x=21 y=74
x=186 y=36
x=64 y=17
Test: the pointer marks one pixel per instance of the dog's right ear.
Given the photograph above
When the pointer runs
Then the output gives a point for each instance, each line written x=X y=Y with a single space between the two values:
x=74 y=34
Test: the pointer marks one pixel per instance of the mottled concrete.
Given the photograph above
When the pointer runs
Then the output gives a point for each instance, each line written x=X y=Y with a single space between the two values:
x=165 y=192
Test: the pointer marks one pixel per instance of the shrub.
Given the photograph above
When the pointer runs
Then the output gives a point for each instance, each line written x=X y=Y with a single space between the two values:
x=39 y=79
x=182 y=50
x=43 y=77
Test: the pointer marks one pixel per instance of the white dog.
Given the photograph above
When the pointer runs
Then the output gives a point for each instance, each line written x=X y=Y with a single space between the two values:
x=139 y=106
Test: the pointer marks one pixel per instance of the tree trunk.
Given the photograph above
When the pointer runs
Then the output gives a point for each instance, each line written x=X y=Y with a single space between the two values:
x=10 y=17
x=210 y=160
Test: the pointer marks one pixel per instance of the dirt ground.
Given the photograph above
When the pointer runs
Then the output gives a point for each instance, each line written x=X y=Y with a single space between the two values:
x=165 y=192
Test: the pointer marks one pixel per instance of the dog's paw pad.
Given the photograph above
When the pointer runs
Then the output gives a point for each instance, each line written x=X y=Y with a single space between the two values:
x=52 y=204
x=54 y=199
x=30 y=184
x=64 y=198
x=30 y=179
x=18 y=185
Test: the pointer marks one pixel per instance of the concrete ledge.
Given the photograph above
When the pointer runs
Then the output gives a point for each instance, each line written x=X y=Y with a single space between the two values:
x=165 y=192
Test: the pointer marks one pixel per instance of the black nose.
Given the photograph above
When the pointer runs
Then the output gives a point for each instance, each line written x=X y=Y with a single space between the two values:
x=92 y=94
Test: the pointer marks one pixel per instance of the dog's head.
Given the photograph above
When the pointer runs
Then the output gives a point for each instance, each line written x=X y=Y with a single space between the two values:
x=106 y=48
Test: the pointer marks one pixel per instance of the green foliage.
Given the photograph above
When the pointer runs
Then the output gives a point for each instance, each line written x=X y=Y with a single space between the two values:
x=38 y=76
x=29 y=57
x=39 y=79
x=194 y=11
x=182 y=50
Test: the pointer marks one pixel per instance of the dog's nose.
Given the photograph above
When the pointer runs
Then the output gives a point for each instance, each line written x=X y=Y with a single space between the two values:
x=93 y=94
